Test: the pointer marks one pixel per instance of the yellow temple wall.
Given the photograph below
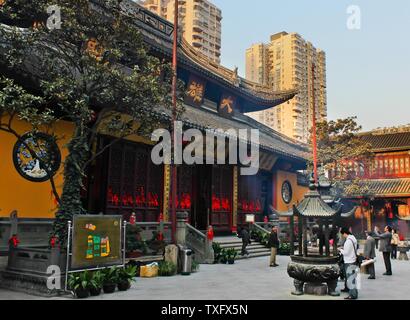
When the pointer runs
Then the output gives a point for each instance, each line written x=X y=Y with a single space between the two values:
x=298 y=192
x=30 y=199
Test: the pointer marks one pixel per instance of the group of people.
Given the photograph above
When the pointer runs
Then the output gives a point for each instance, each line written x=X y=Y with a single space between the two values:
x=389 y=241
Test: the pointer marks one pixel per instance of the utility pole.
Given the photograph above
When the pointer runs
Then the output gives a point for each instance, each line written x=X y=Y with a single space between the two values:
x=174 y=119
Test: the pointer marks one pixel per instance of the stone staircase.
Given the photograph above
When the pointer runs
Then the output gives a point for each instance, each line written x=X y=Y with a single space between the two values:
x=255 y=249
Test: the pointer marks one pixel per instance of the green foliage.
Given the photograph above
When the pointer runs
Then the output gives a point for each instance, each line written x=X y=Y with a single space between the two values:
x=80 y=280
x=96 y=61
x=127 y=274
x=96 y=280
x=110 y=275
x=230 y=254
x=337 y=142
x=284 y=248
x=219 y=252
x=195 y=266
x=134 y=239
x=166 y=269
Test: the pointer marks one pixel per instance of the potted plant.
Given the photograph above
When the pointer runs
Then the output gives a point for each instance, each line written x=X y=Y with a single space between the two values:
x=195 y=266
x=284 y=248
x=157 y=244
x=125 y=277
x=110 y=279
x=166 y=269
x=80 y=284
x=231 y=254
x=223 y=257
x=136 y=246
x=96 y=283
x=217 y=251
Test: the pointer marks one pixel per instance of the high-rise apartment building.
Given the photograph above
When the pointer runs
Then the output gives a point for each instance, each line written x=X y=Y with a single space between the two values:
x=290 y=62
x=199 y=20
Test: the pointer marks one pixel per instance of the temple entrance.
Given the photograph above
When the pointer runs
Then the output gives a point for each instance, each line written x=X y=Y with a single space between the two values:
x=202 y=193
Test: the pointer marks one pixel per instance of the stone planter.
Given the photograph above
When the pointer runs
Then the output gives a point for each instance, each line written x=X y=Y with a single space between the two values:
x=314 y=271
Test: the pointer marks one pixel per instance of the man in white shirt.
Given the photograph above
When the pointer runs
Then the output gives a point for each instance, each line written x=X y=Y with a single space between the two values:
x=349 y=253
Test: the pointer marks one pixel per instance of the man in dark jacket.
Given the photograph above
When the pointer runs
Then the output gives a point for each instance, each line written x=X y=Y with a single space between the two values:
x=246 y=239
x=369 y=253
x=385 y=247
x=273 y=243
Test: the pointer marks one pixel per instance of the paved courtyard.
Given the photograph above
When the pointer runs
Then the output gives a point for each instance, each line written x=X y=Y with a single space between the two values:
x=247 y=280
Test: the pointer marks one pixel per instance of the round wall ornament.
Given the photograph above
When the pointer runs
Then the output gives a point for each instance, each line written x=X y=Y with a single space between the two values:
x=36 y=156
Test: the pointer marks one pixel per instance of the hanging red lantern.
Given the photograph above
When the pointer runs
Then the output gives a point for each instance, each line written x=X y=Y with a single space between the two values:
x=133 y=219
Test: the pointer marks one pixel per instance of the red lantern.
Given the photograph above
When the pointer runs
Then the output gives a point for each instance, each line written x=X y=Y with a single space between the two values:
x=53 y=241
x=210 y=233
x=133 y=219
x=14 y=241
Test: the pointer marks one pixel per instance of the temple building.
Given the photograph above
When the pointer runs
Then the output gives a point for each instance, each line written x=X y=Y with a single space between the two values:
x=385 y=182
x=124 y=180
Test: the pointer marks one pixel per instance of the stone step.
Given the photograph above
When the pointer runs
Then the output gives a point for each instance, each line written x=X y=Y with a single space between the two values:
x=253 y=255
x=239 y=246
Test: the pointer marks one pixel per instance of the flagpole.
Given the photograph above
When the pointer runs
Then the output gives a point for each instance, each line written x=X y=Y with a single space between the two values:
x=174 y=118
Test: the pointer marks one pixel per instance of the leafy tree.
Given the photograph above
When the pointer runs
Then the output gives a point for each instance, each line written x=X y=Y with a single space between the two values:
x=341 y=153
x=95 y=71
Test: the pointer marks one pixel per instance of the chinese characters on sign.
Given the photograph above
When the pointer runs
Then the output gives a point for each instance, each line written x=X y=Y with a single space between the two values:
x=227 y=105
x=195 y=91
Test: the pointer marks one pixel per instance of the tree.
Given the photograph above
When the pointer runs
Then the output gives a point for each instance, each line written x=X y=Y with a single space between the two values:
x=91 y=71
x=343 y=154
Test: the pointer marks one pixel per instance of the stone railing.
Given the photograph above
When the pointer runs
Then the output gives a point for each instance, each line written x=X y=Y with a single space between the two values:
x=32 y=233
x=194 y=239
x=148 y=228
x=199 y=242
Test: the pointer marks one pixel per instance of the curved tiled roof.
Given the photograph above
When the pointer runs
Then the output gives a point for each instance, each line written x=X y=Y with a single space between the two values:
x=314 y=206
x=387 y=187
x=390 y=141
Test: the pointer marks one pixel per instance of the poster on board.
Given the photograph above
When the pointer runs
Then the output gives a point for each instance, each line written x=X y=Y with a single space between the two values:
x=96 y=241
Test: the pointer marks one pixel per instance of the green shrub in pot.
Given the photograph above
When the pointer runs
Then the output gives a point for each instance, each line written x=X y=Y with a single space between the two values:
x=166 y=269
x=79 y=283
x=125 y=277
x=96 y=283
x=110 y=279
x=231 y=254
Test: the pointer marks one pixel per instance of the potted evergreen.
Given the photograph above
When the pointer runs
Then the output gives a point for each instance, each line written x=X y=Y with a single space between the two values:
x=96 y=283
x=110 y=279
x=125 y=277
x=195 y=266
x=80 y=283
x=231 y=254
x=166 y=269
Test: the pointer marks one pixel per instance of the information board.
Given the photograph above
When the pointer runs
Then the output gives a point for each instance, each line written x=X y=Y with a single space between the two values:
x=96 y=241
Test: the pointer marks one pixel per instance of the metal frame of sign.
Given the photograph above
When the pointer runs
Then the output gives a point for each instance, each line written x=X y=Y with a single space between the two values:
x=70 y=253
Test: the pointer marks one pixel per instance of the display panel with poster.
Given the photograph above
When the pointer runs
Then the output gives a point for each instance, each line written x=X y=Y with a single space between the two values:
x=96 y=242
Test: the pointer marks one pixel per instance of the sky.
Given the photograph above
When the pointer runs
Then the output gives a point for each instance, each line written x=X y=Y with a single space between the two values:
x=368 y=70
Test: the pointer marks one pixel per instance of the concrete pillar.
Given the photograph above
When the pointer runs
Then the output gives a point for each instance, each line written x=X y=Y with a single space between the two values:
x=182 y=219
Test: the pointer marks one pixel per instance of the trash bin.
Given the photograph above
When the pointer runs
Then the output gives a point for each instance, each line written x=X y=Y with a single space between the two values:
x=185 y=258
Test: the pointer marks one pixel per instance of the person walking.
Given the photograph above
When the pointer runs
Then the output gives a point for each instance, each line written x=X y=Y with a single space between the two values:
x=273 y=244
x=349 y=253
x=369 y=253
x=246 y=239
x=385 y=248
x=394 y=243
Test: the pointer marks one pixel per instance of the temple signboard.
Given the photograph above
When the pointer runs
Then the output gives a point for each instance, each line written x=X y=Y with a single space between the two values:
x=96 y=241
x=195 y=91
x=227 y=105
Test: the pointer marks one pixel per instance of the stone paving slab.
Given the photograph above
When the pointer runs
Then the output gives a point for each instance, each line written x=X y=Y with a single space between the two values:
x=249 y=279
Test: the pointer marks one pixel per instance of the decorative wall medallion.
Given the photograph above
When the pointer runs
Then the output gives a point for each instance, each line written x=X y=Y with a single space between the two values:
x=46 y=157
x=287 y=192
